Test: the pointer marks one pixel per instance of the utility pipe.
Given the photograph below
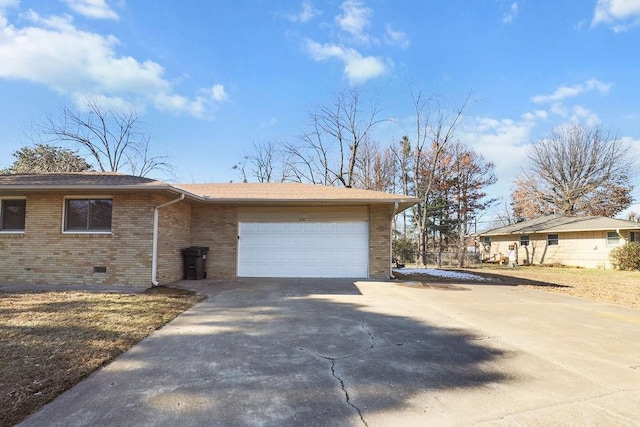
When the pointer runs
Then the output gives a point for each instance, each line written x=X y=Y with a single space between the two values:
x=395 y=211
x=154 y=250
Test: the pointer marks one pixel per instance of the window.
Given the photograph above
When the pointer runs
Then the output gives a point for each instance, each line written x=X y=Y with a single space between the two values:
x=552 y=239
x=486 y=241
x=634 y=236
x=12 y=214
x=524 y=240
x=92 y=215
x=613 y=238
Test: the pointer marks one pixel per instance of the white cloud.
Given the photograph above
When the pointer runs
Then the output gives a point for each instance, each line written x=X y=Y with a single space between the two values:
x=396 y=37
x=564 y=92
x=80 y=62
x=511 y=14
x=355 y=19
x=96 y=9
x=584 y=115
x=357 y=68
x=218 y=93
x=503 y=142
x=621 y=14
x=307 y=13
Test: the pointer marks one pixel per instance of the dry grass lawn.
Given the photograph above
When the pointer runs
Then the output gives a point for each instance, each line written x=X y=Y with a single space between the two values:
x=51 y=340
x=610 y=286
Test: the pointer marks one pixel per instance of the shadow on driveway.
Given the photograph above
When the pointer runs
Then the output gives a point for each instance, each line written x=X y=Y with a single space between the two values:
x=276 y=353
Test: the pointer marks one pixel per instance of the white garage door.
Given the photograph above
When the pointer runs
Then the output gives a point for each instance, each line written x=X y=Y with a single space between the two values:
x=304 y=249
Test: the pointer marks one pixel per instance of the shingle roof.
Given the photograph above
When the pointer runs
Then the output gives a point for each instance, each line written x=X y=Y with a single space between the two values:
x=77 y=179
x=292 y=193
x=553 y=224
x=256 y=193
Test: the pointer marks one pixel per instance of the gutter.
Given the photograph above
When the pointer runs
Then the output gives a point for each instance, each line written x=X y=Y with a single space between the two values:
x=154 y=250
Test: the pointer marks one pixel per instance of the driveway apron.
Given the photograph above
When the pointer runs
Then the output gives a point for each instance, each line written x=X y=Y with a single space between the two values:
x=339 y=352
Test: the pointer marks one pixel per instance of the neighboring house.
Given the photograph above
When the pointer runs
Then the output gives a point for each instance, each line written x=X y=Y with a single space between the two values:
x=572 y=241
x=108 y=228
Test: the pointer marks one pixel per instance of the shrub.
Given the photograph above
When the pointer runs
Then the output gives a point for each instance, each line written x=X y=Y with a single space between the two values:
x=626 y=257
x=403 y=249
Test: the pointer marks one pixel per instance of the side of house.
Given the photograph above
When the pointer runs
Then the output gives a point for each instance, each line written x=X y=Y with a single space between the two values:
x=91 y=228
x=79 y=238
x=551 y=242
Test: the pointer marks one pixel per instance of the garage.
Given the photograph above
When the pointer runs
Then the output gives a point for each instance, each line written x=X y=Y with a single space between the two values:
x=303 y=242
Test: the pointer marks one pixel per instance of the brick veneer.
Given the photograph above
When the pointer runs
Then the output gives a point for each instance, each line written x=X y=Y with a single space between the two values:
x=174 y=224
x=379 y=242
x=216 y=226
x=45 y=255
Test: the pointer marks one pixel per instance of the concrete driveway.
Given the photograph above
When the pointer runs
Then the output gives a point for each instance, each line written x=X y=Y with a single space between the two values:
x=335 y=352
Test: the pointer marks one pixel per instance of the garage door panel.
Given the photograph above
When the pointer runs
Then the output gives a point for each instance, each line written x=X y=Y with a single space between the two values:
x=303 y=249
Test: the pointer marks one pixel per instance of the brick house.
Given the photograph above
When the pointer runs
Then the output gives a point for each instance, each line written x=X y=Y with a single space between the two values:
x=109 y=228
x=573 y=241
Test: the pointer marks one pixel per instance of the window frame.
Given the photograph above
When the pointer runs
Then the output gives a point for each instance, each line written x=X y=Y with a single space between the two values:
x=634 y=237
x=2 y=208
x=486 y=241
x=551 y=240
x=610 y=238
x=88 y=230
x=524 y=242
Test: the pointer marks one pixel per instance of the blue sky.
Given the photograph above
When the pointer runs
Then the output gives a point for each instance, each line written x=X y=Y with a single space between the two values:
x=210 y=77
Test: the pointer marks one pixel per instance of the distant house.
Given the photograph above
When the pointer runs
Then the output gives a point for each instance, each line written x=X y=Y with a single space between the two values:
x=572 y=241
x=109 y=228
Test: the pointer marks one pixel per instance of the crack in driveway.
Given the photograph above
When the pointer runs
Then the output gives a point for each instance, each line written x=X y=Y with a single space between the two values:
x=333 y=360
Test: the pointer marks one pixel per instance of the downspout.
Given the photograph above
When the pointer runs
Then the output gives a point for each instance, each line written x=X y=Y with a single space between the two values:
x=395 y=211
x=154 y=250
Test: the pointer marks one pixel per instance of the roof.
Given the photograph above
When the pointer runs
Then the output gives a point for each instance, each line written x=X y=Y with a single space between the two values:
x=77 y=180
x=247 y=193
x=290 y=192
x=564 y=224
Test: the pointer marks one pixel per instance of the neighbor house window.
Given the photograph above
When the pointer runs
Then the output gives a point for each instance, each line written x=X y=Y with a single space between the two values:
x=634 y=236
x=486 y=241
x=93 y=215
x=552 y=239
x=524 y=240
x=613 y=238
x=12 y=214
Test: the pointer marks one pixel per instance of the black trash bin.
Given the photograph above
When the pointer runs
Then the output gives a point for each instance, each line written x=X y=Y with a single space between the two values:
x=195 y=260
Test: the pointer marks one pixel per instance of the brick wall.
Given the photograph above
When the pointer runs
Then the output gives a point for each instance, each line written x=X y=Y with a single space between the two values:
x=216 y=226
x=174 y=223
x=379 y=242
x=45 y=255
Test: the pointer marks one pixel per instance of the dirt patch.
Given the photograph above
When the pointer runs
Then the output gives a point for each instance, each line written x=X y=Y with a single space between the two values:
x=51 y=340
x=168 y=291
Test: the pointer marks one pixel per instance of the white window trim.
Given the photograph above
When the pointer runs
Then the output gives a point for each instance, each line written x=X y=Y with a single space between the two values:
x=617 y=235
x=85 y=197
x=13 y=198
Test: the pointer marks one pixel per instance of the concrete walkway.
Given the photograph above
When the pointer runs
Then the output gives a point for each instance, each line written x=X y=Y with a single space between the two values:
x=334 y=352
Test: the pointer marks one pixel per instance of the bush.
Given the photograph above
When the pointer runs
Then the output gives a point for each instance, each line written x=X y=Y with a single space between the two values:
x=403 y=249
x=626 y=257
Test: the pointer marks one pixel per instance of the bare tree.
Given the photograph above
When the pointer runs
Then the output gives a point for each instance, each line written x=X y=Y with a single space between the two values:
x=577 y=170
x=43 y=158
x=434 y=130
x=267 y=162
x=375 y=168
x=327 y=154
x=112 y=138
